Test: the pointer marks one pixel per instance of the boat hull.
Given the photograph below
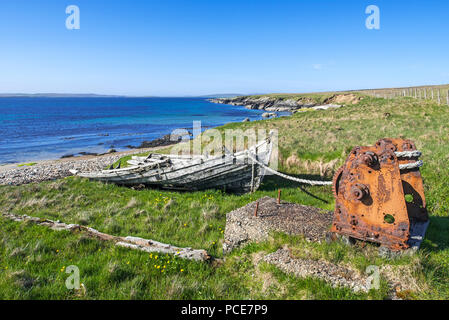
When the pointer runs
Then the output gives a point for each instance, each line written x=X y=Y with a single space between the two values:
x=231 y=172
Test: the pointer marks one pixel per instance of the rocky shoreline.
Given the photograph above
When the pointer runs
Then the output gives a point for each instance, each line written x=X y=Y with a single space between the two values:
x=56 y=169
x=277 y=104
x=47 y=170
x=265 y=103
x=164 y=141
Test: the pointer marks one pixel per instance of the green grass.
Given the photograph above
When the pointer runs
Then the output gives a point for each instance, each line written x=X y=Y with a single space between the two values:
x=312 y=145
x=34 y=259
x=312 y=97
x=27 y=164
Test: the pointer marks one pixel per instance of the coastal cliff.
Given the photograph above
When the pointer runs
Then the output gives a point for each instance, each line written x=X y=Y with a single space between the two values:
x=288 y=103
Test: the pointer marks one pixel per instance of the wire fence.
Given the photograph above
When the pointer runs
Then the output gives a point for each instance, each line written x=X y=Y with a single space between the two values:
x=438 y=94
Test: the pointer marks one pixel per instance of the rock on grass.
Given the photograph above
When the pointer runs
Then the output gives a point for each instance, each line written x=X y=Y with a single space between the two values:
x=243 y=227
x=335 y=275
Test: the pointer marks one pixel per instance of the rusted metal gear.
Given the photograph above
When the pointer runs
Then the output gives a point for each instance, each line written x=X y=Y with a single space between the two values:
x=412 y=182
x=376 y=200
x=336 y=180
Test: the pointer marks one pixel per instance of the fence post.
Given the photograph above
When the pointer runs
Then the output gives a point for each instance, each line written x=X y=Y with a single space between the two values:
x=432 y=93
x=447 y=97
x=425 y=94
x=439 y=101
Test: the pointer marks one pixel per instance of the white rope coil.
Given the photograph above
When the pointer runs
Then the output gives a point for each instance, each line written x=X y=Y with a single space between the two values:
x=408 y=154
x=412 y=165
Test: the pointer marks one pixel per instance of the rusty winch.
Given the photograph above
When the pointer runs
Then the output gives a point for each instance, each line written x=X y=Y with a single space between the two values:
x=380 y=196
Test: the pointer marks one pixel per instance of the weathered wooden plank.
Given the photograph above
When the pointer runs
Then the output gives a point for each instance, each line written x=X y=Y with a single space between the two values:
x=127 y=242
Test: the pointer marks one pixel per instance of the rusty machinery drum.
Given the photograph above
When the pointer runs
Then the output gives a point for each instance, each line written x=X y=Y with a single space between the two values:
x=379 y=194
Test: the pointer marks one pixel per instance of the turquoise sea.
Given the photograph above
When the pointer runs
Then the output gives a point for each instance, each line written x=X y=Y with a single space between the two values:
x=37 y=128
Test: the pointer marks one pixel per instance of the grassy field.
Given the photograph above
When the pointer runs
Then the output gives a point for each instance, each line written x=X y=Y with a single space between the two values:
x=312 y=144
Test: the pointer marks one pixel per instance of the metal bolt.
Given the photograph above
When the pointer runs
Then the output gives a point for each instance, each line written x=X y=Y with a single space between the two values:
x=279 y=196
x=407 y=146
x=369 y=159
x=359 y=191
x=257 y=208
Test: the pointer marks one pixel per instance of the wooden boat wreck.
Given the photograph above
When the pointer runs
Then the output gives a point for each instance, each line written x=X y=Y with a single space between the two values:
x=231 y=172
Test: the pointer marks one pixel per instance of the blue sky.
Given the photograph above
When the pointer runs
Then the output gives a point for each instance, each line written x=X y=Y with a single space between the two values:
x=196 y=47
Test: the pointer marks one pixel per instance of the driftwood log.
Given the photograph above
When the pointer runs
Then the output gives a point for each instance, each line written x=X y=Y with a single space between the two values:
x=126 y=242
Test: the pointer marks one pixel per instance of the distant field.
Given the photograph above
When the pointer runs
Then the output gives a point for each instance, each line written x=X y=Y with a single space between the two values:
x=438 y=94
x=312 y=144
x=441 y=87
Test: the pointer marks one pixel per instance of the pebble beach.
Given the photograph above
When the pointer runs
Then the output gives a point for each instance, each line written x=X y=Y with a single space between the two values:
x=46 y=170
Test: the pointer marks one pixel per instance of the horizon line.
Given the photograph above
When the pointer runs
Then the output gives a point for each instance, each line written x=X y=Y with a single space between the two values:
x=50 y=94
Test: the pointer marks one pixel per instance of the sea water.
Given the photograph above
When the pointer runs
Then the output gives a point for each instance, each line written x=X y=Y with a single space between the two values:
x=38 y=128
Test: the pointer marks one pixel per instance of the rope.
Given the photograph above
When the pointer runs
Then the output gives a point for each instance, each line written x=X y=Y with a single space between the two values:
x=408 y=154
x=413 y=165
x=405 y=154
x=304 y=181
